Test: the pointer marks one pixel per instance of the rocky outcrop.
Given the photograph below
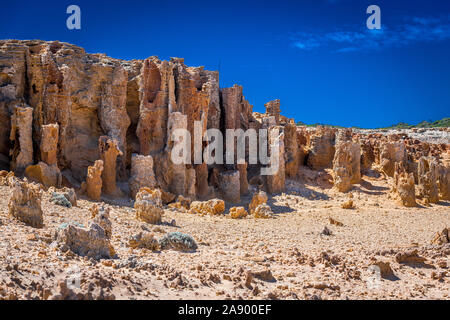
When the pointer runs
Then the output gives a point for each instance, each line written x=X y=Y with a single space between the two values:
x=47 y=172
x=258 y=198
x=148 y=205
x=346 y=163
x=109 y=150
x=238 y=213
x=21 y=136
x=273 y=110
x=427 y=176
x=91 y=242
x=294 y=155
x=321 y=148
x=100 y=216
x=391 y=152
x=210 y=207
x=49 y=144
x=25 y=203
x=404 y=187
x=444 y=182
x=64 y=109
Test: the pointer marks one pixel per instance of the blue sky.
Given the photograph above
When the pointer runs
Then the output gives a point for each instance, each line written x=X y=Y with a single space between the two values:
x=316 y=56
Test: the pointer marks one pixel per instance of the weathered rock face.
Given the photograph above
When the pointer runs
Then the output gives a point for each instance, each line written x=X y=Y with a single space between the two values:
x=427 y=173
x=293 y=151
x=404 y=186
x=109 y=150
x=391 y=152
x=321 y=148
x=21 y=135
x=85 y=104
x=276 y=181
x=49 y=144
x=273 y=110
x=346 y=163
x=142 y=174
x=444 y=182
x=25 y=203
x=157 y=92
x=367 y=155
x=94 y=181
x=63 y=109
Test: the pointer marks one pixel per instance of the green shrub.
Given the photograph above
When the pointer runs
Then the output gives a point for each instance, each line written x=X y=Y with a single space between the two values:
x=60 y=200
x=178 y=241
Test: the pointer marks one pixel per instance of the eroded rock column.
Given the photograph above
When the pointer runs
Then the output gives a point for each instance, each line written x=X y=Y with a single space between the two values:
x=109 y=151
x=21 y=135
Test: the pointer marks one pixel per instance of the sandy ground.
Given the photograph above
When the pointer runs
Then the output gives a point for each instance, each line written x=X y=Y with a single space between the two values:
x=303 y=262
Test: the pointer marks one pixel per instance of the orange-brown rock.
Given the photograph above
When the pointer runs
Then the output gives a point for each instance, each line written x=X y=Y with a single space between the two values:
x=273 y=110
x=321 y=148
x=21 y=136
x=25 y=203
x=404 y=186
x=258 y=198
x=427 y=176
x=441 y=237
x=238 y=213
x=210 y=207
x=346 y=164
x=94 y=180
x=47 y=175
x=49 y=143
x=100 y=216
x=293 y=151
x=148 y=205
x=391 y=152
x=444 y=182
x=276 y=180
x=142 y=174
x=109 y=150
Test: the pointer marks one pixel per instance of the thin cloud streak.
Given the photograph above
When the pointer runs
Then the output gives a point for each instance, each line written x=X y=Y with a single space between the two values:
x=413 y=30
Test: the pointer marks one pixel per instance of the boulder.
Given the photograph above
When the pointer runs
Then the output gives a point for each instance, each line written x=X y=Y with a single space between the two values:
x=148 y=205
x=25 y=203
x=91 y=242
x=210 y=207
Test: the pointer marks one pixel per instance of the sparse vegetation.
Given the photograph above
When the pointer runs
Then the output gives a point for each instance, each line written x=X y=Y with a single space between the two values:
x=443 y=123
